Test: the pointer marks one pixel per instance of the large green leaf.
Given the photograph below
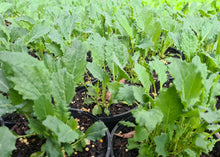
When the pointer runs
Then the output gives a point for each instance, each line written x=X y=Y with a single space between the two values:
x=74 y=60
x=143 y=76
x=126 y=93
x=36 y=32
x=53 y=147
x=30 y=76
x=188 y=81
x=63 y=91
x=43 y=107
x=160 y=69
x=161 y=142
x=63 y=131
x=148 y=119
x=98 y=72
x=168 y=101
x=96 y=131
x=7 y=142
x=36 y=126
x=188 y=43
x=123 y=21
x=4 y=86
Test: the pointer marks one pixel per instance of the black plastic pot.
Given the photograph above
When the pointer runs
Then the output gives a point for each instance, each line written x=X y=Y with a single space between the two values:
x=118 y=127
x=111 y=121
x=217 y=145
x=77 y=113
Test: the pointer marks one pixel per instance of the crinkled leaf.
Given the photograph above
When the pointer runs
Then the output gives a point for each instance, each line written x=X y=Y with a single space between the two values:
x=161 y=142
x=7 y=142
x=4 y=86
x=126 y=93
x=168 y=101
x=96 y=131
x=188 y=81
x=202 y=143
x=31 y=77
x=160 y=69
x=37 y=126
x=74 y=60
x=63 y=131
x=98 y=72
x=122 y=19
x=189 y=43
x=54 y=48
x=36 y=32
x=141 y=133
x=145 y=44
x=149 y=119
x=42 y=108
x=4 y=6
x=143 y=76
x=210 y=116
x=53 y=148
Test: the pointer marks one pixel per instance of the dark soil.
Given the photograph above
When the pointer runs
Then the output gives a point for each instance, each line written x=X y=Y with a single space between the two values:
x=79 y=99
x=120 y=150
x=26 y=146
x=96 y=149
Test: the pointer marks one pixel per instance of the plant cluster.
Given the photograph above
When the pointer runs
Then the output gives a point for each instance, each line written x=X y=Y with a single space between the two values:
x=127 y=40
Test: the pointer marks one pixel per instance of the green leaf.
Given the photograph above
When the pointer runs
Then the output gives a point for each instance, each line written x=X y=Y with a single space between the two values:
x=53 y=148
x=63 y=91
x=6 y=106
x=7 y=142
x=190 y=152
x=188 y=81
x=169 y=101
x=63 y=131
x=202 y=143
x=42 y=108
x=127 y=123
x=98 y=72
x=36 y=32
x=96 y=110
x=30 y=78
x=37 y=126
x=189 y=43
x=68 y=148
x=148 y=119
x=54 y=48
x=210 y=116
x=161 y=142
x=143 y=76
x=74 y=60
x=4 y=86
x=145 y=44
x=126 y=93
x=218 y=45
x=4 y=6
x=97 y=46
x=123 y=21
x=160 y=69
x=141 y=134
x=96 y=131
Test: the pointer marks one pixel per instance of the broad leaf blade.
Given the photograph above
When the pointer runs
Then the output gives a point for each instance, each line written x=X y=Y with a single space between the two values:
x=148 y=119
x=170 y=104
x=7 y=142
x=43 y=107
x=143 y=76
x=4 y=86
x=162 y=144
x=188 y=82
x=63 y=131
x=36 y=126
x=74 y=60
x=96 y=131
